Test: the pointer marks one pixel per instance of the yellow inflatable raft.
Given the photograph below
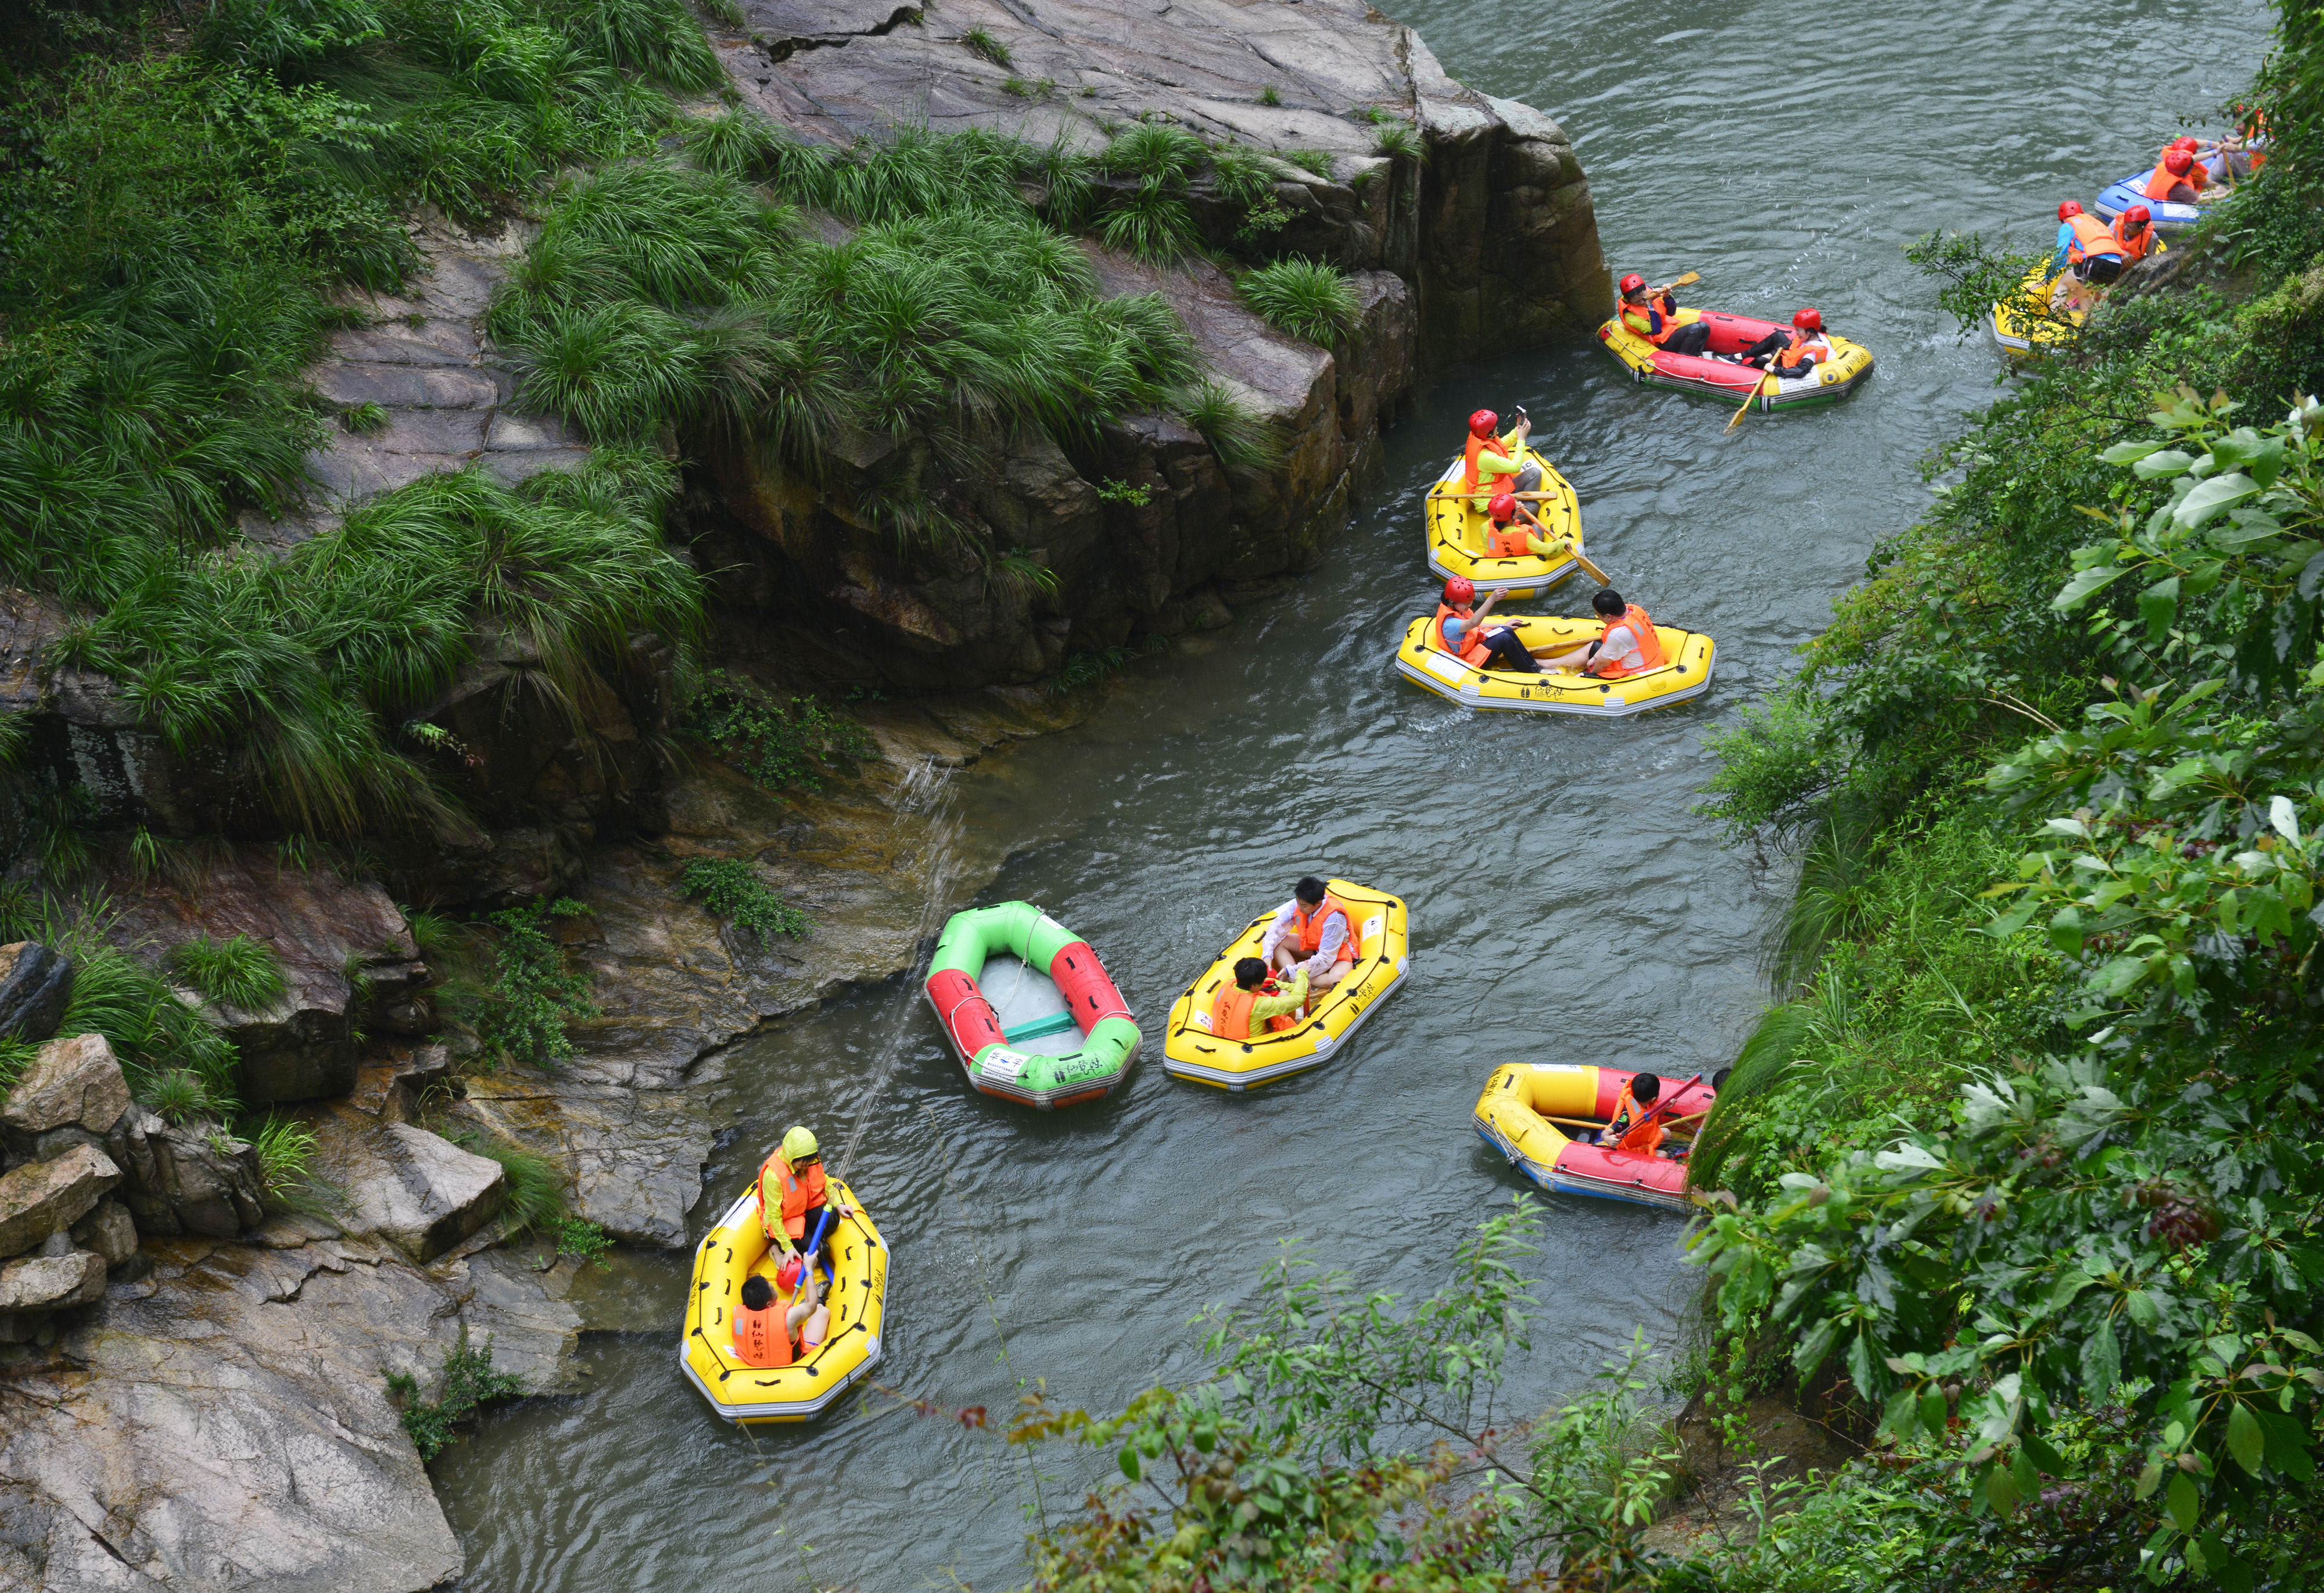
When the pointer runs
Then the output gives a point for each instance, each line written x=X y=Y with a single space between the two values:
x=1541 y=1116
x=1457 y=524
x=2023 y=336
x=1189 y=1049
x=1686 y=674
x=857 y=1295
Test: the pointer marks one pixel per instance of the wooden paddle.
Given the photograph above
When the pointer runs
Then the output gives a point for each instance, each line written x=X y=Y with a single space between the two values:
x=1756 y=382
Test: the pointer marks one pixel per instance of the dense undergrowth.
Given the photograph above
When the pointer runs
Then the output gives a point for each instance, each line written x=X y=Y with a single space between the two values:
x=2023 y=1166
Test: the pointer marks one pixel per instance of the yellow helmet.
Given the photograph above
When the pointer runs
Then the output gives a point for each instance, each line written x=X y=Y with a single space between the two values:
x=798 y=1144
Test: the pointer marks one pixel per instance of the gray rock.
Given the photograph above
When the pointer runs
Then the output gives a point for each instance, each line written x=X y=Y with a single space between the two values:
x=39 y=1197
x=109 y=1231
x=35 y=984
x=416 y=1190
x=74 y=1082
x=52 y=1282
x=176 y=1182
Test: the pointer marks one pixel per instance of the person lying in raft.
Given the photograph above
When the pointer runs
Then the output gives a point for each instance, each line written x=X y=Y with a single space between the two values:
x=1460 y=630
x=1491 y=467
x=1313 y=934
x=1257 y=1002
x=1629 y=646
x=1636 y=1125
x=1515 y=531
x=1652 y=314
x=769 y=1336
x=1793 y=354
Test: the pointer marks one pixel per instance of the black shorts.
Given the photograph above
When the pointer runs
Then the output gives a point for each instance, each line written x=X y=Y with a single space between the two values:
x=2098 y=268
x=1690 y=339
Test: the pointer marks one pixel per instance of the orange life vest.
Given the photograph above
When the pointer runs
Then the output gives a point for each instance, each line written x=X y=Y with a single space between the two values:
x=1650 y=645
x=1308 y=926
x=1472 y=650
x=2161 y=181
x=1801 y=352
x=1471 y=480
x=1513 y=541
x=2131 y=249
x=1640 y=319
x=794 y=1195
x=2091 y=236
x=1628 y=1131
x=1231 y=1011
x=760 y=1337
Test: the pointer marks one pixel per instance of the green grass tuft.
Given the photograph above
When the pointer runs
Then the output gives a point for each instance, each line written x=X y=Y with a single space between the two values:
x=1305 y=299
x=1319 y=161
x=535 y=1196
x=286 y=1153
x=178 y=1094
x=981 y=42
x=1240 y=439
x=238 y=972
x=1397 y=141
x=1270 y=95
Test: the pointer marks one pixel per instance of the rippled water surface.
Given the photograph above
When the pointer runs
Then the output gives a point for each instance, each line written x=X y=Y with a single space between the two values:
x=1564 y=902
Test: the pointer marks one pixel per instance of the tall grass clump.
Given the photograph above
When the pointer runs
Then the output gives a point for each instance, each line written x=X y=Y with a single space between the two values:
x=238 y=971
x=1305 y=299
x=1235 y=432
x=535 y=1193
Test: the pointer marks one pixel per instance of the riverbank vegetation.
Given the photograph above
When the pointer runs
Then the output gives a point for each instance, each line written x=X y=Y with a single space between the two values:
x=2023 y=1172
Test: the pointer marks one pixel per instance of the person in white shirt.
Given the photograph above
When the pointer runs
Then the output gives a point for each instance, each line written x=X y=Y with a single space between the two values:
x=1313 y=932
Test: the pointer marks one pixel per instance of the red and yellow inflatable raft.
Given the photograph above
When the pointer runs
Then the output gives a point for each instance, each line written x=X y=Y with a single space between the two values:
x=1532 y=1112
x=1847 y=369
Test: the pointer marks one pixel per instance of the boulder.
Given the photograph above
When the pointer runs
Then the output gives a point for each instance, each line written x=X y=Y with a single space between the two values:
x=416 y=1190
x=52 y=1282
x=43 y=1198
x=346 y=954
x=35 y=984
x=109 y=1231
x=177 y=1181
x=74 y=1082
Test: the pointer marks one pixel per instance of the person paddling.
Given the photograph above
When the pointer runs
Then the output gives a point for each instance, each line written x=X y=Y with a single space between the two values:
x=1652 y=314
x=1793 y=354
x=1491 y=464
x=791 y=1206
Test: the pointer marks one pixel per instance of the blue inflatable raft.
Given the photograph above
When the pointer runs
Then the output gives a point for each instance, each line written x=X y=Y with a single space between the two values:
x=2117 y=196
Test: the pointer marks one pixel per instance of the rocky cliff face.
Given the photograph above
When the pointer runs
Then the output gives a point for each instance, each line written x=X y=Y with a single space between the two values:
x=1487 y=238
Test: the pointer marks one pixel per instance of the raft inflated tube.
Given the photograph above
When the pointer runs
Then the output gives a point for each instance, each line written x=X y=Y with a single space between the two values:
x=1456 y=525
x=1685 y=674
x=731 y=1252
x=2164 y=216
x=1190 y=1051
x=1513 y=1115
x=1110 y=1034
x=1849 y=367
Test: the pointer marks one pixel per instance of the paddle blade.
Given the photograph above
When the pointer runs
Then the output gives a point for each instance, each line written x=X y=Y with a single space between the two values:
x=1590 y=570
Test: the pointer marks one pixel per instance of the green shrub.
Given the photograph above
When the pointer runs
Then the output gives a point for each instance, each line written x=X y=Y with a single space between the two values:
x=582 y=1240
x=728 y=889
x=533 y=992
x=777 y=744
x=469 y=1381
x=1240 y=439
x=1304 y=299
x=238 y=971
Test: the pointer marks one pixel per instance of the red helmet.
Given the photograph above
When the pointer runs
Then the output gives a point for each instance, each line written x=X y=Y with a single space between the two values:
x=2137 y=217
x=2187 y=141
x=1503 y=508
x=1459 y=591
x=1633 y=282
x=1808 y=321
x=2069 y=207
x=2178 y=162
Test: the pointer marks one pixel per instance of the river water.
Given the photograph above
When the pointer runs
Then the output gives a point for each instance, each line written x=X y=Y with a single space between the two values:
x=1563 y=903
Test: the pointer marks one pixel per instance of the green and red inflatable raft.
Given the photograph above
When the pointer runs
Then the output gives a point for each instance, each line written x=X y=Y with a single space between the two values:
x=1028 y=1008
